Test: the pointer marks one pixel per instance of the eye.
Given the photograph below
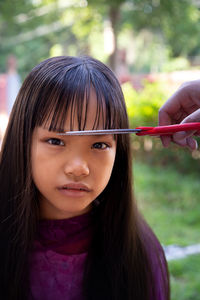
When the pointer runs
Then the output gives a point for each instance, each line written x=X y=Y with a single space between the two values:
x=55 y=142
x=100 y=146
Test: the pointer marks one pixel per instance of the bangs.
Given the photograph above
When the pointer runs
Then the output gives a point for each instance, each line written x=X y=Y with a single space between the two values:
x=68 y=94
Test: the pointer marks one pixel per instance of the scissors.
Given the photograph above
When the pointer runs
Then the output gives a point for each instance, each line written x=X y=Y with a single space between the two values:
x=140 y=131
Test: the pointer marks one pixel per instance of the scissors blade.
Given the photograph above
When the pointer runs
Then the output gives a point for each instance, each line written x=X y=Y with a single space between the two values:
x=100 y=132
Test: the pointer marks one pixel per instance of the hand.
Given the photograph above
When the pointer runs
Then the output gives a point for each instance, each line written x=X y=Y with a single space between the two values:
x=182 y=107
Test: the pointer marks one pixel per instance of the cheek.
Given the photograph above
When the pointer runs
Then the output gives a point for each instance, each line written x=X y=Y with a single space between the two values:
x=34 y=166
x=36 y=171
x=40 y=169
x=104 y=169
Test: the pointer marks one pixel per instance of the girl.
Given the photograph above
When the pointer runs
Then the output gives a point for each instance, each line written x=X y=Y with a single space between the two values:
x=70 y=228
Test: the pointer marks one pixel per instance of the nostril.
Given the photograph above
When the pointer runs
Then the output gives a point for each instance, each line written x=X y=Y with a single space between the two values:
x=76 y=169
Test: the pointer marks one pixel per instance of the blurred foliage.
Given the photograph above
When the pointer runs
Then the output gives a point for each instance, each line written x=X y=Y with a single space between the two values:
x=175 y=64
x=32 y=31
x=177 y=21
x=143 y=105
x=161 y=30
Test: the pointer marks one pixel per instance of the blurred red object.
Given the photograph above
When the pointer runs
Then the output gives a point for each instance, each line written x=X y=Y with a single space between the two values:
x=3 y=95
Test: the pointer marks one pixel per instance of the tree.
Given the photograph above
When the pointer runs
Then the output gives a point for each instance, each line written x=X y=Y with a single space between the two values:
x=177 y=20
x=30 y=29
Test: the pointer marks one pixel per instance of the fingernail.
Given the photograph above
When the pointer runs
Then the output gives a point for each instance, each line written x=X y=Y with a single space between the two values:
x=192 y=144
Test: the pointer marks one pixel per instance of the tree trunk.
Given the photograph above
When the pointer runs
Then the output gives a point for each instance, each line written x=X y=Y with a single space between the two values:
x=114 y=15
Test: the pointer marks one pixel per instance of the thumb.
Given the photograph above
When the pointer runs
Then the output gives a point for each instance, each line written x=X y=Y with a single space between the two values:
x=184 y=138
x=193 y=117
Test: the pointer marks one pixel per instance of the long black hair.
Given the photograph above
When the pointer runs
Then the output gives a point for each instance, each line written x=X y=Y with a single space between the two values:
x=125 y=256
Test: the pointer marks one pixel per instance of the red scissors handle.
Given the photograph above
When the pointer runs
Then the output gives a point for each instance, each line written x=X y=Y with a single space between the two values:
x=169 y=129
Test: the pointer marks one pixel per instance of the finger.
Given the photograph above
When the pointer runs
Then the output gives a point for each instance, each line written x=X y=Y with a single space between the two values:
x=166 y=140
x=188 y=142
x=185 y=139
x=181 y=137
x=192 y=143
x=170 y=108
x=193 y=117
x=164 y=119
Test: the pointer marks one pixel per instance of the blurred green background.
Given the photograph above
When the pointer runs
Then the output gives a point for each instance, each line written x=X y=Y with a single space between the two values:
x=153 y=46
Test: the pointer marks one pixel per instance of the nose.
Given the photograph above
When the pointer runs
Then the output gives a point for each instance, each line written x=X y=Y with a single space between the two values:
x=76 y=167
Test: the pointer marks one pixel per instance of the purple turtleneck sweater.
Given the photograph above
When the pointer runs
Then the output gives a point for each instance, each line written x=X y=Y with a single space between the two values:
x=58 y=258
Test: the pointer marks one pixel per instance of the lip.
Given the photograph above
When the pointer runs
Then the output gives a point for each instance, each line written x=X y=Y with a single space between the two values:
x=74 y=190
x=75 y=187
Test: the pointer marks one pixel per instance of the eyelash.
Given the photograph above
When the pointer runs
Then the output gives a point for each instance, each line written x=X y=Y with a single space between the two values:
x=57 y=140
x=61 y=143
x=101 y=143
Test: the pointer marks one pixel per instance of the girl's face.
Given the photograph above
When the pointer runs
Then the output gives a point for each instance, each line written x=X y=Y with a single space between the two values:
x=71 y=171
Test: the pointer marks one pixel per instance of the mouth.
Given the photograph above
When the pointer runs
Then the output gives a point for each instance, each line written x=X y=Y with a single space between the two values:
x=75 y=187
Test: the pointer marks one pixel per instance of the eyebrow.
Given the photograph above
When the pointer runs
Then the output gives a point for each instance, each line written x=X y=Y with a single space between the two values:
x=63 y=133
x=56 y=130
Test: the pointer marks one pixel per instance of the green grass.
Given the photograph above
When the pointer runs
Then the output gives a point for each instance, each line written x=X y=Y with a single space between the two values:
x=170 y=202
x=185 y=278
